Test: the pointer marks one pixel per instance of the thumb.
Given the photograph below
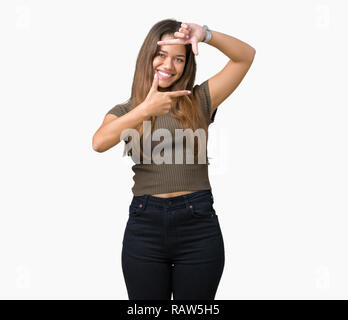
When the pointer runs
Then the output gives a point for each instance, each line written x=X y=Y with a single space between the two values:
x=155 y=82
x=195 y=47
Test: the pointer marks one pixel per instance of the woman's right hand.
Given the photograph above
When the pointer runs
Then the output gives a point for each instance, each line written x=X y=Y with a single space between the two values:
x=159 y=103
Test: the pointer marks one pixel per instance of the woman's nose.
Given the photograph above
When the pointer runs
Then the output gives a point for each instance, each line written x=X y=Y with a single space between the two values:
x=168 y=63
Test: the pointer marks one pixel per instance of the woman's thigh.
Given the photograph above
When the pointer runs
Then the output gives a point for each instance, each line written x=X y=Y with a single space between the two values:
x=145 y=264
x=197 y=281
x=198 y=253
x=146 y=280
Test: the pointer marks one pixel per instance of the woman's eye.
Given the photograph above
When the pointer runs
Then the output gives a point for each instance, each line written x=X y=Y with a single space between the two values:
x=162 y=55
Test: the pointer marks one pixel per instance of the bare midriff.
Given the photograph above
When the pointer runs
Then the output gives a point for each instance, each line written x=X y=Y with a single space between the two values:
x=172 y=194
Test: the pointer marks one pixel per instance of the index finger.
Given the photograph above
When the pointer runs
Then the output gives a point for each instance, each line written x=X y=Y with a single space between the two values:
x=178 y=93
x=172 y=41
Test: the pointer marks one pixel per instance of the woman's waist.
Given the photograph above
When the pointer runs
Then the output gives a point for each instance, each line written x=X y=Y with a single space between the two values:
x=192 y=197
x=171 y=194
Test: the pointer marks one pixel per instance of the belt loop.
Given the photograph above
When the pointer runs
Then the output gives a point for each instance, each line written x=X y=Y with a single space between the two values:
x=146 y=197
x=187 y=202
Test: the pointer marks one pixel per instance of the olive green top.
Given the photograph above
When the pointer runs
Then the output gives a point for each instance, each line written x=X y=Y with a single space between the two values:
x=164 y=178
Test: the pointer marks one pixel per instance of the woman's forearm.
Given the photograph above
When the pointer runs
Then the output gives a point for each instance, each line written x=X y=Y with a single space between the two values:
x=233 y=48
x=108 y=135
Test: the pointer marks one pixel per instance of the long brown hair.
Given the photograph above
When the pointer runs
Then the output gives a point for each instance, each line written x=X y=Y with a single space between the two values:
x=184 y=108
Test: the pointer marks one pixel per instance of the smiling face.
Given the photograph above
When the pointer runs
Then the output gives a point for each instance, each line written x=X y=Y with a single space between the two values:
x=171 y=60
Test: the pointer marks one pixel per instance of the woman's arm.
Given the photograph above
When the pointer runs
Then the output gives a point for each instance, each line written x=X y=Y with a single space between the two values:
x=108 y=135
x=233 y=48
x=227 y=80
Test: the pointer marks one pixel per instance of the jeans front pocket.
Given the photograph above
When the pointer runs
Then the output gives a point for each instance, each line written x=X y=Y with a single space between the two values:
x=135 y=211
x=203 y=209
x=204 y=218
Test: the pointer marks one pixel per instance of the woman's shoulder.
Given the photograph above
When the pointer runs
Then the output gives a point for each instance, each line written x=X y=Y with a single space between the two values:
x=201 y=91
x=121 y=108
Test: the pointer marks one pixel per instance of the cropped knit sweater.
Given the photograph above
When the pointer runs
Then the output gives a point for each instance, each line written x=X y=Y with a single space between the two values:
x=164 y=178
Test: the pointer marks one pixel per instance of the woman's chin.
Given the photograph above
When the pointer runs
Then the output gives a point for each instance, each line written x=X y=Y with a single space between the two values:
x=164 y=85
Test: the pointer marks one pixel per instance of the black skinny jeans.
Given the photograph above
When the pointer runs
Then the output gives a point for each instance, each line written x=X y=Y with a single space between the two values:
x=173 y=245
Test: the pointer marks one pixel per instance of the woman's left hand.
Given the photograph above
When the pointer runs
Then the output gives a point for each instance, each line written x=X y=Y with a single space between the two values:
x=188 y=33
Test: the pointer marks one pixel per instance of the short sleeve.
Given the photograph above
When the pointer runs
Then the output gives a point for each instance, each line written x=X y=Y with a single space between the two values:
x=120 y=109
x=203 y=95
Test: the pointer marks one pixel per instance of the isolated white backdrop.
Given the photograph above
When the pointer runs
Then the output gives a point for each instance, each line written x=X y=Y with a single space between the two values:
x=278 y=143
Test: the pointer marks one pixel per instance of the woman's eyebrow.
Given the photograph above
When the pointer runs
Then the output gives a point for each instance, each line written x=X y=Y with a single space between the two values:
x=178 y=55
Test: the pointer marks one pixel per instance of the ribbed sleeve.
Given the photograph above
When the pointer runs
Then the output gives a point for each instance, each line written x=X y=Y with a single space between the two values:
x=205 y=100
x=120 y=109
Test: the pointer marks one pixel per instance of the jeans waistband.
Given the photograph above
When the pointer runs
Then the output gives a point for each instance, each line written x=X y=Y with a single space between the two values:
x=142 y=201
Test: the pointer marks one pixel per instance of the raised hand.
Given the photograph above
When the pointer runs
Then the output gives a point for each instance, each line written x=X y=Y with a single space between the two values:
x=188 y=33
x=159 y=103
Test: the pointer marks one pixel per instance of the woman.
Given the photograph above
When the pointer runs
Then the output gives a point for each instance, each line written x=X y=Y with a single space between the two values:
x=172 y=242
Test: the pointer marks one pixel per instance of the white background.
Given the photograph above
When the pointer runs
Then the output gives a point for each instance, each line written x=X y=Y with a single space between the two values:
x=279 y=146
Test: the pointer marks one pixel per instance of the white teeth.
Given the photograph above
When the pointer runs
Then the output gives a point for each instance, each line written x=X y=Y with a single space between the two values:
x=164 y=74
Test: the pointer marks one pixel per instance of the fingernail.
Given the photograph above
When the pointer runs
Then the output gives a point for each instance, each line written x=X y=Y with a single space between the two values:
x=155 y=75
x=188 y=91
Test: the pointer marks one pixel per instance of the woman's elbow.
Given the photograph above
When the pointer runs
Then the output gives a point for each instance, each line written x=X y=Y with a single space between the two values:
x=101 y=145
x=96 y=144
